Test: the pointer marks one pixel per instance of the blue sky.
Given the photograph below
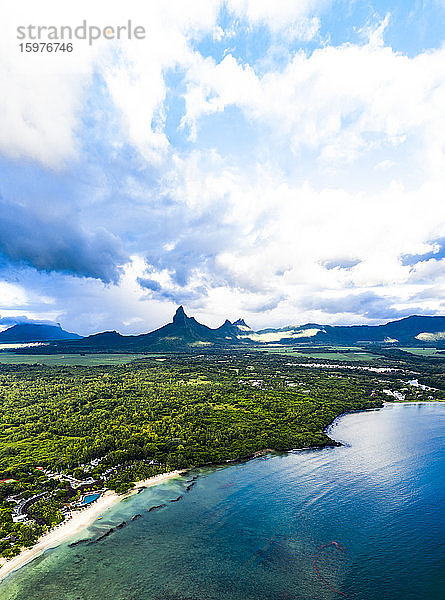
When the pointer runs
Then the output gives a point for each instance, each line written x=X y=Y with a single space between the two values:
x=281 y=161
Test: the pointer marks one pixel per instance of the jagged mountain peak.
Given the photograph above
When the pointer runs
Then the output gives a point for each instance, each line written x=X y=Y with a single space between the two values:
x=241 y=323
x=179 y=314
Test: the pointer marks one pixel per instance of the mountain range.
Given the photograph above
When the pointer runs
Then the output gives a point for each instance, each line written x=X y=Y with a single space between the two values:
x=186 y=333
x=34 y=332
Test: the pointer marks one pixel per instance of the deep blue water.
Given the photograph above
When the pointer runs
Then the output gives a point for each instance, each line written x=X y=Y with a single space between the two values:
x=252 y=531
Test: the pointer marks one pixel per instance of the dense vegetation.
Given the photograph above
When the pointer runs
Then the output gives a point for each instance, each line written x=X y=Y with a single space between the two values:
x=112 y=425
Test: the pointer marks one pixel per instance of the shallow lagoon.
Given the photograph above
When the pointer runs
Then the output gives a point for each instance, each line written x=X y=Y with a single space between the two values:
x=252 y=531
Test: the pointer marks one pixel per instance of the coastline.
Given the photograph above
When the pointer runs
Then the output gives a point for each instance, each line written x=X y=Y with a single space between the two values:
x=328 y=430
x=83 y=518
x=80 y=520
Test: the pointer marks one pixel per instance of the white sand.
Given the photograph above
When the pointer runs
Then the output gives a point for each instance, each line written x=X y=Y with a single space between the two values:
x=80 y=520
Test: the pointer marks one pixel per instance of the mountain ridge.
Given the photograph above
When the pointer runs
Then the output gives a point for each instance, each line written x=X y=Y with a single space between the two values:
x=35 y=332
x=186 y=333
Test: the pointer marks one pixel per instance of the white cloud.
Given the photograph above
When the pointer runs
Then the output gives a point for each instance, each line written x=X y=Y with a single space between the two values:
x=47 y=92
x=339 y=102
x=244 y=236
x=12 y=295
x=278 y=15
x=42 y=110
x=374 y=33
x=282 y=235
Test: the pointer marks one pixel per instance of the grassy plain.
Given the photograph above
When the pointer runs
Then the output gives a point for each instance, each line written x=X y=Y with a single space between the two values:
x=60 y=360
x=429 y=352
x=355 y=356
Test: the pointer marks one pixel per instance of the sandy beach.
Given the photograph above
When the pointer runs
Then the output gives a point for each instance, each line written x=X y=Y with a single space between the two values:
x=80 y=520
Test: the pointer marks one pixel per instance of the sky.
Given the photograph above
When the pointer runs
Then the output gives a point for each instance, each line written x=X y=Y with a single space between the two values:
x=281 y=161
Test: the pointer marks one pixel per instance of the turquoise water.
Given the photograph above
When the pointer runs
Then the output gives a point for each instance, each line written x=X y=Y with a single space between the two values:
x=253 y=531
x=90 y=498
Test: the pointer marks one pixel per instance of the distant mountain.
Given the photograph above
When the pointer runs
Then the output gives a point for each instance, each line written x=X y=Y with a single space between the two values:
x=186 y=333
x=241 y=325
x=30 y=332
x=103 y=341
x=182 y=330
x=182 y=333
x=407 y=330
x=414 y=329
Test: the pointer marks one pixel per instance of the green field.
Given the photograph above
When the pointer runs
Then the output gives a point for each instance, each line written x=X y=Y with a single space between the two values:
x=89 y=360
x=424 y=352
x=346 y=356
x=358 y=356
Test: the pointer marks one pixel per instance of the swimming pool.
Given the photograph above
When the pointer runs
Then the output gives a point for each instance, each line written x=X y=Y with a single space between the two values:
x=89 y=498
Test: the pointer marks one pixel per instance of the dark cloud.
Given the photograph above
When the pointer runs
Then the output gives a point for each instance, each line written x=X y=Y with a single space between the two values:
x=196 y=241
x=10 y=321
x=365 y=304
x=54 y=241
x=149 y=284
x=429 y=293
x=340 y=263
x=266 y=305
x=413 y=259
x=178 y=296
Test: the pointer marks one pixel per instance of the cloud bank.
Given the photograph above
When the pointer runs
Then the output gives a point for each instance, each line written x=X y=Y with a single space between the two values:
x=280 y=161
